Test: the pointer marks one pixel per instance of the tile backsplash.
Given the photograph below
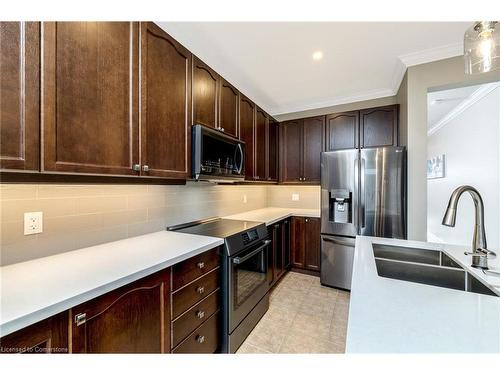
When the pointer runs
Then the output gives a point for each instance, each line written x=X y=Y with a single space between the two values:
x=281 y=196
x=76 y=216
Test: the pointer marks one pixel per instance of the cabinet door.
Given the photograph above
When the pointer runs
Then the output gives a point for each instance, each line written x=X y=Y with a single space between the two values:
x=291 y=151
x=48 y=336
x=247 y=119
x=342 y=131
x=261 y=154
x=312 y=243
x=228 y=112
x=165 y=106
x=271 y=256
x=205 y=94
x=131 y=319
x=90 y=97
x=285 y=240
x=298 y=242
x=279 y=263
x=314 y=130
x=272 y=151
x=379 y=126
x=19 y=93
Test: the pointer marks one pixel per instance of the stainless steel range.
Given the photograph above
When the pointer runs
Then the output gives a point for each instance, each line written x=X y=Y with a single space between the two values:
x=245 y=297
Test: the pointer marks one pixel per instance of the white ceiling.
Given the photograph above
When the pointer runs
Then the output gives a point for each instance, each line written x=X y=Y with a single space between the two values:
x=271 y=62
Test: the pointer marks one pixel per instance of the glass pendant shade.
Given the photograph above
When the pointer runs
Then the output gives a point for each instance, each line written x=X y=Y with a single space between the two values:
x=482 y=47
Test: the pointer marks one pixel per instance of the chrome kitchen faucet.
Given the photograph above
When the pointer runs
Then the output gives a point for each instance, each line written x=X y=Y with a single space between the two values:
x=479 y=252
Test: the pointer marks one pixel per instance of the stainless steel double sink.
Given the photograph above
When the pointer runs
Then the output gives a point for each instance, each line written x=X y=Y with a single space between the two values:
x=431 y=267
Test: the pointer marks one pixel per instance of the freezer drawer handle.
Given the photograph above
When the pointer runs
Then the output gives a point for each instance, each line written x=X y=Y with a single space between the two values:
x=339 y=242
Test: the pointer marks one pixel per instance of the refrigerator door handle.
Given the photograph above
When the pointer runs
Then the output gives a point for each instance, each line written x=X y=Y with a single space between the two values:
x=362 y=194
x=355 y=207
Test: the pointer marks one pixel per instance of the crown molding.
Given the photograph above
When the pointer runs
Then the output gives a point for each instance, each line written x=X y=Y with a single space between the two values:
x=473 y=98
x=432 y=54
x=338 y=100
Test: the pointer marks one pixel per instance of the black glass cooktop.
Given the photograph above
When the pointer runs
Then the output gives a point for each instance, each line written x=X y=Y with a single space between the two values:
x=221 y=228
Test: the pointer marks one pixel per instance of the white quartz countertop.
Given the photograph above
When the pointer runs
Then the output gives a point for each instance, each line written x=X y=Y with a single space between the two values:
x=394 y=316
x=271 y=215
x=34 y=290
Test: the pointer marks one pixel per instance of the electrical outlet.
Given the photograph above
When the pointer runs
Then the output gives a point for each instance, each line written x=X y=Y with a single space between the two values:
x=295 y=197
x=244 y=198
x=33 y=223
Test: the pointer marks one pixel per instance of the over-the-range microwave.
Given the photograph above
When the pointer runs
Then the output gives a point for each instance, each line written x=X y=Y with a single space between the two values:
x=216 y=156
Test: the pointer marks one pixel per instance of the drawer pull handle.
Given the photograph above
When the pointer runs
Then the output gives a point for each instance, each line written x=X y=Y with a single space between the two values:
x=200 y=290
x=201 y=265
x=200 y=314
x=200 y=339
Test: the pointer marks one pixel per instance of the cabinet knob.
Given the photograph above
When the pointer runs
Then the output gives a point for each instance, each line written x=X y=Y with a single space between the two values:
x=221 y=129
x=307 y=220
x=200 y=314
x=201 y=265
x=200 y=290
x=200 y=339
x=145 y=168
x=136 y=167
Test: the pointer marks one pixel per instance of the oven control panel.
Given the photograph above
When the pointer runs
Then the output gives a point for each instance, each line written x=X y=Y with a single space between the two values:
x=250 y=236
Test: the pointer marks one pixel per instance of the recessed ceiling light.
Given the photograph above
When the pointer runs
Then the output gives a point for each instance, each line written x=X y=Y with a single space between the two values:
x=317 y=55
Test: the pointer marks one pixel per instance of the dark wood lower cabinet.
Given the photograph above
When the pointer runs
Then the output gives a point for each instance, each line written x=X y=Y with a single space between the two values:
x=279 y=254
x=132 y=319
x=48 y=336
x=196 y=304
x=205 y=339
x=305 y=243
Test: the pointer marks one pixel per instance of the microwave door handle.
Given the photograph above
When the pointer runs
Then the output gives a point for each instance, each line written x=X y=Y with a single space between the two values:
x=240 y=167
x=239 y=260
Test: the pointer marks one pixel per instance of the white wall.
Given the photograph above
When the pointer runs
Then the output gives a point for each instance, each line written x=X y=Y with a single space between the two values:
x=471 y=143
x=437 y=75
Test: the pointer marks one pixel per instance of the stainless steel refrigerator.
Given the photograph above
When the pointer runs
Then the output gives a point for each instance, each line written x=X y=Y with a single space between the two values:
x=363 y=192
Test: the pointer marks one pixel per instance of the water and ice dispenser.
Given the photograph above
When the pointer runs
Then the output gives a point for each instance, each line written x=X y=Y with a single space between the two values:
x=340 y=206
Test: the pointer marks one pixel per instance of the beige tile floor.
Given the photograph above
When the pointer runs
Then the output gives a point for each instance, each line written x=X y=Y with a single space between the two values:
x=303 y=317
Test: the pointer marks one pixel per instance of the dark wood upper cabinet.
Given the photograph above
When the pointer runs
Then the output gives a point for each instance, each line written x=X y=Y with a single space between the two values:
x=261 y=139
x=19 y=93
x=228 y=112
x=312 y=243
x=301 y=144
x=313 y=143
x=165 y=104
x=48 y=336
x=90 y=97
x=272 y=133
x=205 y=94
x=132 y=319
x=379 y=126
x=247 y=119
x=342 y=131
x=290 y=151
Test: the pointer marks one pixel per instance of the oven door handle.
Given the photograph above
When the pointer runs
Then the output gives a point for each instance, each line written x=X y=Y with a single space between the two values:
x=239 y=260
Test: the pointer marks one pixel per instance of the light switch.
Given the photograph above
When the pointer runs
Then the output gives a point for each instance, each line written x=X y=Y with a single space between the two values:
x=244 y=198
x=33 y=223
x=295 y=197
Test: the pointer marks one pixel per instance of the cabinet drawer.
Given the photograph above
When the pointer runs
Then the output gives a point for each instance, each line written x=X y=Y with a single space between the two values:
x=205 y=339
x=192 y=268
x=194 y=317
x=191 y=294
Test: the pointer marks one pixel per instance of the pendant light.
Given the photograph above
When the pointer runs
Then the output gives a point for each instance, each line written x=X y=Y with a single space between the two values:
x=482 y=47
